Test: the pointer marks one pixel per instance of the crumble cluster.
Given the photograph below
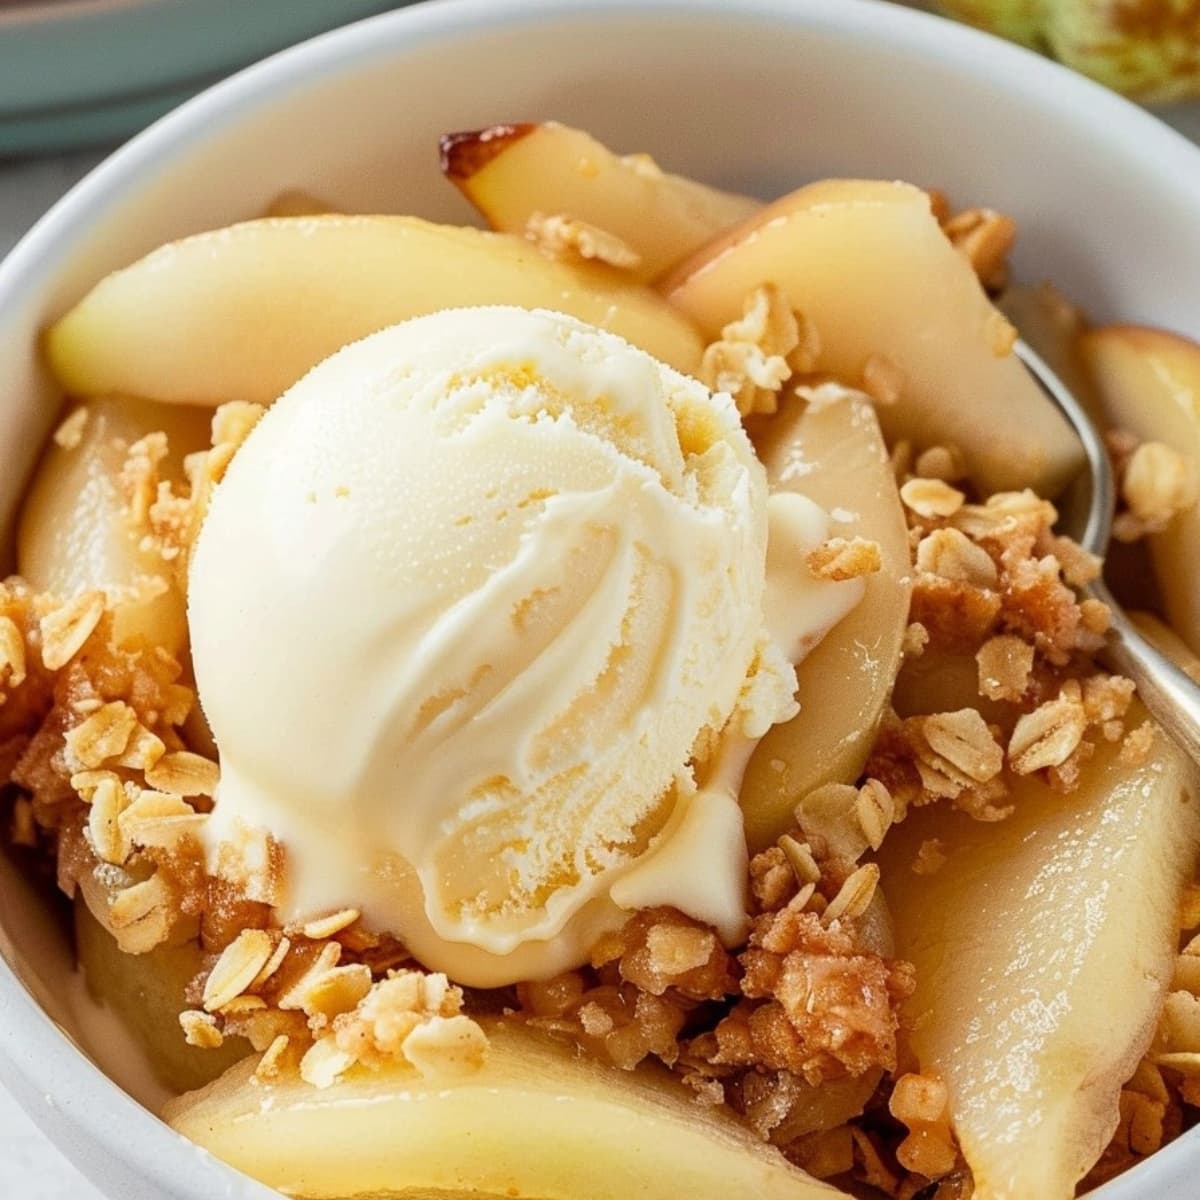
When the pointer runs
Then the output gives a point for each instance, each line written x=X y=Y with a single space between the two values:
x=812 y=999
x=757 y=354
x=568 y=238
x=994 y=582
x=1155 y=483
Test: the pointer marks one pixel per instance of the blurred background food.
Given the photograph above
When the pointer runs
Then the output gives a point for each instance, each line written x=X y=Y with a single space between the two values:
x=1148 y=50
x=77 y=73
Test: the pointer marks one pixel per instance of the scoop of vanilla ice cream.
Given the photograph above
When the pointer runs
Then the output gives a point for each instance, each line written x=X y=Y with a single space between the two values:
x=472 y=605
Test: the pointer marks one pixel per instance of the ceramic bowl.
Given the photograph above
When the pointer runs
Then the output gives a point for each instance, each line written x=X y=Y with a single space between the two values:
x=761 y=94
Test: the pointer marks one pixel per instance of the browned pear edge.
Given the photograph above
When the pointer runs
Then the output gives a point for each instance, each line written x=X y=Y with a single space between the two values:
x=783 y=205
x=1146 y=338
x=465 y=153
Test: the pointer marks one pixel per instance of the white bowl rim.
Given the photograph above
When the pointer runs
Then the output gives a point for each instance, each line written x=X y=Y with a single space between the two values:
x=31 y=1044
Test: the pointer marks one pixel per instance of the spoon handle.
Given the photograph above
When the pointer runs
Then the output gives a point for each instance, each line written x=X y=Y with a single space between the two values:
x=1170 y=694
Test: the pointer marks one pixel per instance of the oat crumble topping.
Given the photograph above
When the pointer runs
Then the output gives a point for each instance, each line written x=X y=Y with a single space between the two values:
x=985 y=238
x=758 y=353
x=558 y=235
x=1155 y=483
x=845 y=558
x=69 y=434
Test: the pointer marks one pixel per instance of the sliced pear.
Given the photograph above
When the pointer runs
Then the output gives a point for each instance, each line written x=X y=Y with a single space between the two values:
x=833 y=454
x=1168 y=642
x=536 y=1120
x=941 y=681
x=509 y=172
x=146 y=993
x=73 y=534
x=1051 y=324
x=868 y=263
x=242 y=313
x=297 y=203
x=1149 y=383
x=1044 y=947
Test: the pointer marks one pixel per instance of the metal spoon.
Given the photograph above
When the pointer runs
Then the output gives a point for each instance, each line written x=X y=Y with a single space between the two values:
x=1172 y=697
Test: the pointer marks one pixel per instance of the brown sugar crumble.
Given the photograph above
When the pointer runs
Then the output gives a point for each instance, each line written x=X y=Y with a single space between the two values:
x=994 y=581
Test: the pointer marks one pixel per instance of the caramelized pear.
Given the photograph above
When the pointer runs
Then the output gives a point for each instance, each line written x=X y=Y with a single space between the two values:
x=889 y=295
x=1044 y=947
x=536 y=1120
x=833 y=454
x=511 y=172
x=242 y=313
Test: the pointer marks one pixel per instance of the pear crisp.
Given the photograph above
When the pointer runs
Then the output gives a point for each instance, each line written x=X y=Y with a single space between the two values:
x=737 y=538
x=103 y=753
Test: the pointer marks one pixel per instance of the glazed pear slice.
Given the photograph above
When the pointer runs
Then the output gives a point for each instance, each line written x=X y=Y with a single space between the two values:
x=1049 y=323
x=146 y=993
x=869 y=265
x=73 y=534
x=242 y=313
x=1044 y=947
x=536 y=1120
x=833 y=454
x=1167 y=641
x=1149 y=383
x=510 y=172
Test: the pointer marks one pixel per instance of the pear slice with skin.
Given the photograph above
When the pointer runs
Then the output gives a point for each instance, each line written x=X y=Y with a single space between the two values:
x=73 y=533
x=869 y=265
x=511 y=172
x=1044 y=947
x=1149 y=383
x=242 y=313
x=833 y=454
x=536 y=1120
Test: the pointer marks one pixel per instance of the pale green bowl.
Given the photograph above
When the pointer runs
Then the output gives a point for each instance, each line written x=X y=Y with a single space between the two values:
x=84 y=72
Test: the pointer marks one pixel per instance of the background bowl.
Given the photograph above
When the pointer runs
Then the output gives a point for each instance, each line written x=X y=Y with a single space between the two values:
x=80 y=72
x=761 y=94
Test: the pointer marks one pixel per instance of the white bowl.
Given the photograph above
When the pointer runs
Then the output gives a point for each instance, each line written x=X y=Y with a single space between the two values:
x=759 y=93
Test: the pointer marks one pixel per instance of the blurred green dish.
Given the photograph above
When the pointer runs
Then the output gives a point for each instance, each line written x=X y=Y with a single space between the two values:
x=81 y=72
